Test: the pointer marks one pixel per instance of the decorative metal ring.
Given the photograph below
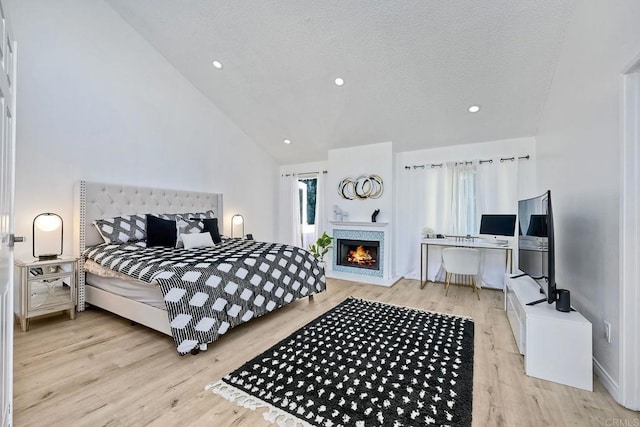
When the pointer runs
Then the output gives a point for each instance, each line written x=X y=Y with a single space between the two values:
x=362 y=187
x=346 y=189
x=379 y=187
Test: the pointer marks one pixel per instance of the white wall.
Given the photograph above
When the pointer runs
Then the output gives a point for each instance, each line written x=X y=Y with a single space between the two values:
x=97 y=102
x=358 y=161
x=579 y=159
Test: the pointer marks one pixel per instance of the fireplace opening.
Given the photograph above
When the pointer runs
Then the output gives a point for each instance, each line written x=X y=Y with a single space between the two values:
x=358 y=253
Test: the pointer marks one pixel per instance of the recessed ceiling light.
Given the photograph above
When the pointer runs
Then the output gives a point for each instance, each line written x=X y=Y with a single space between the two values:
x=287 y=141
x=339 y=81
x=217 y=64
x=474 y=108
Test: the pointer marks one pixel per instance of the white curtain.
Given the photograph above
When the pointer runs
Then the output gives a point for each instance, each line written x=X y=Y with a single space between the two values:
x=497 y=194
x=424 y=201
x=289 y=206
x=321 y=207
x=439 y=215
x=464 y=199
x=412 y=196
x=439 y=187
x=498 y=187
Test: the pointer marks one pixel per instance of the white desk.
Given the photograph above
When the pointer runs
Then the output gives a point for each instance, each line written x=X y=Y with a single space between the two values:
x=461 y=243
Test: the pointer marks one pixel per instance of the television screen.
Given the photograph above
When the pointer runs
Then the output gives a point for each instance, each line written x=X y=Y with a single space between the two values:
x=538 y=226
x=498 y=225
x=536 y=245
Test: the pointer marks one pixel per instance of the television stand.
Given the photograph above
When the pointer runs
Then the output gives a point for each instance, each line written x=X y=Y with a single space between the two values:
x=557 y=346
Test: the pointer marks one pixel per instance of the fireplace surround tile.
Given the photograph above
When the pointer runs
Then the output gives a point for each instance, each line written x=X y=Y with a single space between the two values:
x=360 y=235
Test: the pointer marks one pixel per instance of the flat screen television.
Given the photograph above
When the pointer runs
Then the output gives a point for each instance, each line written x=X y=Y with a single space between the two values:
x=536 y=245
x=498 y=225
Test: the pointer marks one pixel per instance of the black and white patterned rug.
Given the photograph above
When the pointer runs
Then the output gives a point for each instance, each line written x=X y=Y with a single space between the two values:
x=363 y=363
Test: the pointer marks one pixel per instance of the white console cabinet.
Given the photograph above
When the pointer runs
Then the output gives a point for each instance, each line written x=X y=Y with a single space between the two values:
x=557 y=346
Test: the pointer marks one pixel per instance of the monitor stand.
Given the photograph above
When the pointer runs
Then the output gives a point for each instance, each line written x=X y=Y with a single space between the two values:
x=543 y=300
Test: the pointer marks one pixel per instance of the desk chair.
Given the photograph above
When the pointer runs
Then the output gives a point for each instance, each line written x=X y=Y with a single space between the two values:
x=462 y=261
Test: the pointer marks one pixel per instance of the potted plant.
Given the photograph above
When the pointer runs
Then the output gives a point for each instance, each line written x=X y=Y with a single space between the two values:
x=321 y=247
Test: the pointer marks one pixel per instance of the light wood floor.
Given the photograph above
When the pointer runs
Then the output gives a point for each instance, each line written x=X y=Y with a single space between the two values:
x=98 y=370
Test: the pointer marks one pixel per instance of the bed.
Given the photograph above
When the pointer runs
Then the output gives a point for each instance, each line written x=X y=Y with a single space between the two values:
x=194 y=295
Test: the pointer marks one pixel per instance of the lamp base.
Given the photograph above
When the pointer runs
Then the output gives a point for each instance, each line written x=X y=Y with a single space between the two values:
x=47 y=257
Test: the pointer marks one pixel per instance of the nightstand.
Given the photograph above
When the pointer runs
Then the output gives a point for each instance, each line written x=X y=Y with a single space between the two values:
x=45 y=287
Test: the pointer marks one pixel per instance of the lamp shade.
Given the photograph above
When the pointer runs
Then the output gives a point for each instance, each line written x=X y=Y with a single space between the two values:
x=47 y=236
x=237 y=224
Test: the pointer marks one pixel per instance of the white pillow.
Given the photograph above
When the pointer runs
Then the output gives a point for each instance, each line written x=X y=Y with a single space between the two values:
x=197 y=240
x=187 y=226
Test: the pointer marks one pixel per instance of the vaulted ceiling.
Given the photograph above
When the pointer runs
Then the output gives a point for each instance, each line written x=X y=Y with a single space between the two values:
x=411 y=69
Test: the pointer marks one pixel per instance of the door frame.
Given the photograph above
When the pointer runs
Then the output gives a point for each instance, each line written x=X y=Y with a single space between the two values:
x=629 y=338
x=8 y=83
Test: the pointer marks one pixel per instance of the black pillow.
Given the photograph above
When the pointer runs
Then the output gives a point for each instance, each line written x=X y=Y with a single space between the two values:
x=161 y=232
x=211 y=225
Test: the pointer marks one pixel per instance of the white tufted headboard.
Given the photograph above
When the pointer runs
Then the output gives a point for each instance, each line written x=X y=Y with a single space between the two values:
x=94 y=200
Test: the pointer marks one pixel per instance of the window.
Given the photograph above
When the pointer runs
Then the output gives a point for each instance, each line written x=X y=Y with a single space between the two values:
x=307 y=191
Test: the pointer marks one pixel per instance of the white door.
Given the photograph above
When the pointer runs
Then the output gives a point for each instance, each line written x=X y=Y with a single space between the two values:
x=7 y=161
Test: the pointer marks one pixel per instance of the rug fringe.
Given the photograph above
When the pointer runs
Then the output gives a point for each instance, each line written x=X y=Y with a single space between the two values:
x=236 y=395
x=283 y=419
x=245 y=400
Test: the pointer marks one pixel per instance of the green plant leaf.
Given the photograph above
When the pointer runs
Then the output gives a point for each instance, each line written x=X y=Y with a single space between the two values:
x=321 y=247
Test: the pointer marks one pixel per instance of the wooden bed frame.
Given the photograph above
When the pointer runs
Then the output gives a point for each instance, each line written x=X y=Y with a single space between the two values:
x=99 y=200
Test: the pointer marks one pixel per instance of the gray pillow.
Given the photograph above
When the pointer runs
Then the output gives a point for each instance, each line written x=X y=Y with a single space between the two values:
x=122 y=229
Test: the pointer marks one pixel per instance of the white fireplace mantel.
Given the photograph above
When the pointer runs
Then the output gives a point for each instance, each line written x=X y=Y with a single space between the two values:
x=358 y=224
x=365 y=276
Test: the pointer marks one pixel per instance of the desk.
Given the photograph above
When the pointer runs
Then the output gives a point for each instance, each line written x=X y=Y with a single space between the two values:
x=424 y=253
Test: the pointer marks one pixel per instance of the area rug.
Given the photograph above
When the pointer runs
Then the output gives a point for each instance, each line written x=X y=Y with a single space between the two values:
x=363 y=363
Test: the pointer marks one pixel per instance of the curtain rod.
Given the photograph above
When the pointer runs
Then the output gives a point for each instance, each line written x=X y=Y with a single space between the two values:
x=467 y=162
x=301 y=173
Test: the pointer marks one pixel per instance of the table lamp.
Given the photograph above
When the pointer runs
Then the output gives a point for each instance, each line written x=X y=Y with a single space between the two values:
x=237 y=220
x=47 y=236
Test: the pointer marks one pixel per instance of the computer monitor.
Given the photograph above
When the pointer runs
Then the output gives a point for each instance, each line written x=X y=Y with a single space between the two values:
x=498 y=225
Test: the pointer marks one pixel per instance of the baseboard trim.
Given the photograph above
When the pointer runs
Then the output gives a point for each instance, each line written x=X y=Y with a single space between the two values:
x=609 y=383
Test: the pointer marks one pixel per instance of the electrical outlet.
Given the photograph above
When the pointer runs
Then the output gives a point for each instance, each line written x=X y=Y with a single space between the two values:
x=607 y=331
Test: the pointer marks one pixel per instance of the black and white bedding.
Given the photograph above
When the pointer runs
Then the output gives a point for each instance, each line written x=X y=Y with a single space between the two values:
x=209 y=290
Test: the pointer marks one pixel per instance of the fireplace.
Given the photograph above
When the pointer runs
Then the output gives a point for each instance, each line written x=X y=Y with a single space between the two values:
x=358 y=253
